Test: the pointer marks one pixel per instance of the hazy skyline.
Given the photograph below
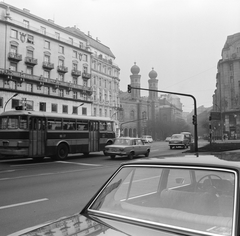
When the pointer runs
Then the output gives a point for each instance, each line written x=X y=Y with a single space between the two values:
x=182 y=40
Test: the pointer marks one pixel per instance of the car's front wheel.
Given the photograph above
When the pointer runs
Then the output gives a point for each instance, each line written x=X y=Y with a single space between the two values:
x=130 y=155
x=113 y=156
x=147 y=153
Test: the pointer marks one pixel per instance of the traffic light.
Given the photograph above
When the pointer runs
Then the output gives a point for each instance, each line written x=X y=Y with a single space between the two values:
x=194 y=119
x=129 y=88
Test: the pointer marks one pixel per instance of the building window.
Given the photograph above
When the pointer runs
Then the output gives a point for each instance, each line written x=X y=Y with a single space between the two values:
x=71 y=40
x=46 y=74
x=46 y=58
x=85 y=83
x=105 y=112
x=61 y=77
x=13 y=49
x=1 y=102
x=54 y=90
x=61 y=93
x=42 y=106
x=47 y=44
x=75 y=95
x=67 y=92
x=30 y=39
x=43 y=30
x=75 y=110
x=74 y=54
x=57 y=35
x=46 y=90
x=15 y=103
x=54 y=107
x=65 y=109
x=100 y=112
x=95 y=111
x=84 y=58
x=29 y=53
x=61 y=62
x=61 y=49
x=80 y=44
x=14 y=34
x=13 y=66
x=29 y=105
x=26 y=23
x=84 y=111
x=85 y=69
x=29 y=87
x=75 y=80
x=29 y=70
x=75 y=66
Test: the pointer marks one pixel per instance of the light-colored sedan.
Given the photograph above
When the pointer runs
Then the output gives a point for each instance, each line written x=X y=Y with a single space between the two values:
x=126 y=146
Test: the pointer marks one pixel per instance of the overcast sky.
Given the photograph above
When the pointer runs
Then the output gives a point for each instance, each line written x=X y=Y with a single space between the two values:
x=181 y=39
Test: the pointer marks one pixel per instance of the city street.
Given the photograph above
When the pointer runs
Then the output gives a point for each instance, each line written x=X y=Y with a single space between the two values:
x=36 y=192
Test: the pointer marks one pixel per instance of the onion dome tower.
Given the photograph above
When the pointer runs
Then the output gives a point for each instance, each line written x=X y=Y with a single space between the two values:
x=135 y=81
x=153 y=84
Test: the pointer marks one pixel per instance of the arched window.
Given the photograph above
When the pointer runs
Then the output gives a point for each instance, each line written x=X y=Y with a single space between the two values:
x=132 y=115
x=130 y=132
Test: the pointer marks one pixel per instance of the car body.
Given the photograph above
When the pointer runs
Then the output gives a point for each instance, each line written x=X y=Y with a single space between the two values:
x=127 y=146
x=189 y=195
x=188 y=135
x=147 y=139
x=178 y=140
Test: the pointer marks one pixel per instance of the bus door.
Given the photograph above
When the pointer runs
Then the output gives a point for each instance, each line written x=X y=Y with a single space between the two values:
x=93 y=136
x=37 y=136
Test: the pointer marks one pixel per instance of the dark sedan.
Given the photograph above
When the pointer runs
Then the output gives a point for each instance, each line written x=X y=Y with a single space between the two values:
x=174 y=196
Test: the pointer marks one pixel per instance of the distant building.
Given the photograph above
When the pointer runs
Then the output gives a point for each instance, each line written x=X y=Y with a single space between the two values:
x=226 y=98
x=50 y=68
x=141 y=115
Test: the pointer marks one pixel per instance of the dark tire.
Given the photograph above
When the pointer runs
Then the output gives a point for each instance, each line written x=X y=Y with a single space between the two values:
x=171 y=147
x=147 y=153
x=86 y=154
x=62 y=152
x=130 y=155
x=113 y=156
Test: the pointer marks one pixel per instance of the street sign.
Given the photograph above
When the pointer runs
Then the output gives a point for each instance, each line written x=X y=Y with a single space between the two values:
x=215 y=115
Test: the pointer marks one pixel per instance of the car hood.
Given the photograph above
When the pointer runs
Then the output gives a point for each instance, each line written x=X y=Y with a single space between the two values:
x=92 y=226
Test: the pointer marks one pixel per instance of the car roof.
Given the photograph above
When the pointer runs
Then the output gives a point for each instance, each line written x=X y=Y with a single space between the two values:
x=224 y=160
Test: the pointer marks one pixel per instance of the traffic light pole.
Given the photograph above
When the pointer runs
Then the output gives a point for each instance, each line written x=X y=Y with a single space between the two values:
x=181 y=94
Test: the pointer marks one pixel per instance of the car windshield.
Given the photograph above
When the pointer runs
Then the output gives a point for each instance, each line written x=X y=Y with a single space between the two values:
x=122 y=142
x=193 y=199
x=177 y=136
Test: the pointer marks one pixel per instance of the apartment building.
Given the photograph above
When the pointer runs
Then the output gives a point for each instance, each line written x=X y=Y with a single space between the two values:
x=226 y=99
x=46 y=67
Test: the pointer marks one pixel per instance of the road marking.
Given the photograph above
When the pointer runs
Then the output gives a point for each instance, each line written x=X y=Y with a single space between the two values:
x=77 y=163
x=23 y=203
x=7 y=171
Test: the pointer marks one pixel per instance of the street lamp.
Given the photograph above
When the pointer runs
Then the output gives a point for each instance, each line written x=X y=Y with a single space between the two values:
x=9 y=100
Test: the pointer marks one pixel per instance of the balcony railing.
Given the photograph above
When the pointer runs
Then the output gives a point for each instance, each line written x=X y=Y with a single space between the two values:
x=14 y=56
x=18 y=75
x=48 y=65
x=62 y=69
x=76 y=72
x=31 y=61
x=86 y=75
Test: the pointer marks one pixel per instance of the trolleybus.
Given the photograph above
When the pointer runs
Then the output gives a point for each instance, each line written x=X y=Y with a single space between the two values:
x=37 y=135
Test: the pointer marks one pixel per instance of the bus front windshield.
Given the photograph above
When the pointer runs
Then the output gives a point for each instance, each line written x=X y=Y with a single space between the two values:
x=13 y=122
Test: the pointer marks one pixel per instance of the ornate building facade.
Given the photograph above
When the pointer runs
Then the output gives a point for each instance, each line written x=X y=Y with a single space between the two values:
x=49 y=68
x=226 y=98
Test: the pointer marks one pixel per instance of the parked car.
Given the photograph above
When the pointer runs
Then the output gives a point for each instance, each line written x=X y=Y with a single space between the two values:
x=125 y=146
x=179 y=140
x=167 y=139
x=173 y=196
x=147 y=139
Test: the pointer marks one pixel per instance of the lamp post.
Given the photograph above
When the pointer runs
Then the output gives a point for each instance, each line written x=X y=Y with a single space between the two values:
x=9 y=100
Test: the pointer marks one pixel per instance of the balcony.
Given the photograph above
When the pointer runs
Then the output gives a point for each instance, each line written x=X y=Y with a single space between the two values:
x=62 y=69
x=76 y=72
x=31 y=61
x=48 y=65
x=14 y=56
x=86 y=75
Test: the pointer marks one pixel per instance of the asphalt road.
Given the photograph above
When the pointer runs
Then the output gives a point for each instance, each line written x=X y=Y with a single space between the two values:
x=35 y=192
